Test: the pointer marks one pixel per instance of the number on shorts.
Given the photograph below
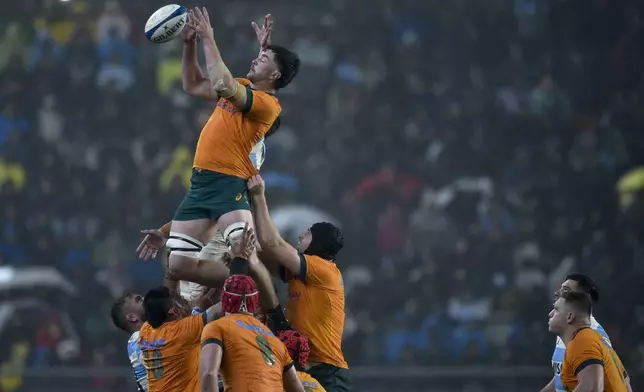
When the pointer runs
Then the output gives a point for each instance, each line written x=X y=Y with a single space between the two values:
x=154 y=363
x=266 y=350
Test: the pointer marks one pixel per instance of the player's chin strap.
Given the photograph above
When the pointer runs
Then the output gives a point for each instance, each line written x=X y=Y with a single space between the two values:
x=243 y=308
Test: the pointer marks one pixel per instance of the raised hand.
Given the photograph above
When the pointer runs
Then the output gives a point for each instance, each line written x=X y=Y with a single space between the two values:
x=244 y=247
x=188 y=34
x=206 y=299
x=264 y=33
x=256 y=186
x=149 y=247
x=199 y=21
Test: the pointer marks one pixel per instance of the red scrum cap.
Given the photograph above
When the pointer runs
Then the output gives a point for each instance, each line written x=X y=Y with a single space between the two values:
x=297 y=346
x=240 y=295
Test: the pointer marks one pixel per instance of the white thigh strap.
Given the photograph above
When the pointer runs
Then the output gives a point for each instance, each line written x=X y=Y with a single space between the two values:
x=233 y=231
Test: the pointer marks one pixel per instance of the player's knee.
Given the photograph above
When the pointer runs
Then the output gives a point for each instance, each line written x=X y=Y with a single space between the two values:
x=234 y=232
x=184 y=251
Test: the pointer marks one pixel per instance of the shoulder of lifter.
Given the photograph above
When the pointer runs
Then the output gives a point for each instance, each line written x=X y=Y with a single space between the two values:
x=585 y=338
x=246 y=83
x=319 y=262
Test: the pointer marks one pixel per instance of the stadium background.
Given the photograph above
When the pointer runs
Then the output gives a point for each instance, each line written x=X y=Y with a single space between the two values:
x=471 y=150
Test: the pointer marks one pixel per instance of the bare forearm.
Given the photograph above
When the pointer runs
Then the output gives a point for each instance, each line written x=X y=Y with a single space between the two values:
x=267 y=234
x=213 y=312
x=218 y=73
x=190 y=69
x=267 y=294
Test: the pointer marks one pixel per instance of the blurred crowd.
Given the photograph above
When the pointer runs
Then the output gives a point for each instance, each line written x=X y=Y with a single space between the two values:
x=471 y=151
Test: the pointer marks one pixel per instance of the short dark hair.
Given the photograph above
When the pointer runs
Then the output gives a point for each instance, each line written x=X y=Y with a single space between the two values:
x=586 y=284
x=157 y=304
x=288 y=63
x=579 y=301
x=118 y=317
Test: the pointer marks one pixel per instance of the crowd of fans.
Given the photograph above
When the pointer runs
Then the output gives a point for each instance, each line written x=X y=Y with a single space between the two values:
x=469 y=149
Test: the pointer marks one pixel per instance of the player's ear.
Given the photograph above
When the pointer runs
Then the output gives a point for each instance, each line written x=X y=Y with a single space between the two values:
x=276 y=75
x=570 y=318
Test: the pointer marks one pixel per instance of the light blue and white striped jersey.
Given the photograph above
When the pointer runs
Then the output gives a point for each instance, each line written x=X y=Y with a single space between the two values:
x=560 y=350
x=136 y=359
x=258 y=154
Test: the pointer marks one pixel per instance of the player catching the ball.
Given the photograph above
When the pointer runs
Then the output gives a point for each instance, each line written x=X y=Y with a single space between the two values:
x=246 y=112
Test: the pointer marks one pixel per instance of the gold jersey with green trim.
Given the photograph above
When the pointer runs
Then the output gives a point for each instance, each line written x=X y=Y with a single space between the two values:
x=254 y=359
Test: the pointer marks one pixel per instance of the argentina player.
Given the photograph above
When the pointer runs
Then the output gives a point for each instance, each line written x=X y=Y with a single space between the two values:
x=576 y=283
x=128 y=314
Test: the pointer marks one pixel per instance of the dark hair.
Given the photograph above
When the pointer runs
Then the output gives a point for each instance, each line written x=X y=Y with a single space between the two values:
x=326 y=241
x=586 y=284
x=157 y=304
x=118 y=318
x=579 y=301
x=288 y=63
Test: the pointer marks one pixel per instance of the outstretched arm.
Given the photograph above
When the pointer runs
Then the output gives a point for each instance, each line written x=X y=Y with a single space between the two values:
x=261 y=276
x=192 y=79
x=274 y=247
x=221 y=80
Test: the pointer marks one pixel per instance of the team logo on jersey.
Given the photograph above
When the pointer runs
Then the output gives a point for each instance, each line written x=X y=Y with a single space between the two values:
x=238 y=197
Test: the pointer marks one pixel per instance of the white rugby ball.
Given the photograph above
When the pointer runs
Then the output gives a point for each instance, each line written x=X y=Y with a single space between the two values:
x=166 y=23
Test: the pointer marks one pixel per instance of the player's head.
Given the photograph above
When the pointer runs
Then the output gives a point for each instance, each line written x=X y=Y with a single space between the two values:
x=275 y=65
x=323 y=239
x=570 y=310
x=297 y=346
x=161 y=305
x=579 y=283
x=127 y=312
x=240 y=295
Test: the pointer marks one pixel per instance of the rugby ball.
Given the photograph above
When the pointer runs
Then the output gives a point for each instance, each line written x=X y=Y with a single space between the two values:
x=166 y=23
